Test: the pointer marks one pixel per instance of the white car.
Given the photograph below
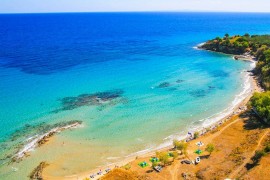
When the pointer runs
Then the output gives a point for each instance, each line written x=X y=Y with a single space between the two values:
x=197 y=160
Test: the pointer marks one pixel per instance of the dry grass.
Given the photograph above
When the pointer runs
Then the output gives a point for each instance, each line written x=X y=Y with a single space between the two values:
x=233 y=145
x=122 y=174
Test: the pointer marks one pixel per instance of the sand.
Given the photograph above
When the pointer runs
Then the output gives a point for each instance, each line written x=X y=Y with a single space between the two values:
x=224 y=123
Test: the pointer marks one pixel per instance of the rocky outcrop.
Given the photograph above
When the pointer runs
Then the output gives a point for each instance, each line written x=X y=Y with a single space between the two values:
x=36 y=174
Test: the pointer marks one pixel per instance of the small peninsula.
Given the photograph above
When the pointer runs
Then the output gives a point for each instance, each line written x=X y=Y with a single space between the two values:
x=246 y=47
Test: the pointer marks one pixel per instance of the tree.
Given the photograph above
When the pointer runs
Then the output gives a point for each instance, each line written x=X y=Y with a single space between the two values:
x=245 y=44
x=247 y=35
x=227 y=35
x=261 y=103
x=218 y=39
x=196 y=135
x=236 y=44
x=174 y=154
x=154 y=164
x=210 y=148
x=257 y=157
x=267 y=148
x=180 y=145
x=163 y=157
x=266 y=54
x=176 y=143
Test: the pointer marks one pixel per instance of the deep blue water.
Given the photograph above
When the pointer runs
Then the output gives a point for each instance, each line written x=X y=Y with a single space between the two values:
x=148 y=57
x=49 y=43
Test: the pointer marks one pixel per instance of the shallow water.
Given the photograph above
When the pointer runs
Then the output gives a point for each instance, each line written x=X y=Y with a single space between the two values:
x=166 y=85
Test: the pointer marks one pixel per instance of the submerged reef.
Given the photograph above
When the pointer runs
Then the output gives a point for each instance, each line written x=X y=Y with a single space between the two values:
x=200 y=93
x=219 y=73
x=179 y=81
x=99 y=98
x=169 y=84
x=164 y=85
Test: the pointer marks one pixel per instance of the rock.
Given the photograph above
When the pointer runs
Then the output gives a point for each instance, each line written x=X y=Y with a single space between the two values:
x=37 y=172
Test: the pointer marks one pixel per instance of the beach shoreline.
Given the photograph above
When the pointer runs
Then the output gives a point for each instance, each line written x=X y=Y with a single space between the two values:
x=236 y=109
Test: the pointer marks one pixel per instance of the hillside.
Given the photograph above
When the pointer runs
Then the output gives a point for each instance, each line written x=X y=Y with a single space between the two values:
x=255 y=45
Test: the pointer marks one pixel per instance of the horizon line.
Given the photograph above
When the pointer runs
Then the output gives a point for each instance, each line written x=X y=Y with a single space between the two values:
x=150 y=11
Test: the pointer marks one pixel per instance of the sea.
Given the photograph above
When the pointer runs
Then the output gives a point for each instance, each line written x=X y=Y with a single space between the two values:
x=136 y=81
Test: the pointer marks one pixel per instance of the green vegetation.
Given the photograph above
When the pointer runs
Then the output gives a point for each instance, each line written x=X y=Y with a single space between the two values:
x=210 y=148
x=126 y=167
x=257 y=157
x=154 y=164
x=238 y=44
x=181 y=146
x=163 y=157
x=267 y=148
x=261 y=103
x=196 y=135
x=255 y=45
x=174 y=154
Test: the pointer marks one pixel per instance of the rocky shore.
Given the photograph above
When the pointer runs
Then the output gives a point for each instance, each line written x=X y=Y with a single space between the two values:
x=39 y=140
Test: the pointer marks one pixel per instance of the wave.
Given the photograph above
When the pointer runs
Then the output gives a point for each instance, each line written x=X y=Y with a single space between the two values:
x=198 y=46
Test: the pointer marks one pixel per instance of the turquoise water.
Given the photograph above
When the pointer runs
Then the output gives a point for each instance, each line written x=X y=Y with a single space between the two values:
x=167 y=85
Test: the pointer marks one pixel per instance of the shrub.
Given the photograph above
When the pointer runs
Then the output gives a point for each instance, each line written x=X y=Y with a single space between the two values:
x=196 y=135
x=267 y=148
x=154 y=164
x=258 y=155
x=126 y=167
x=227 y=35
x=247 y=35
x=163 y=157
x=180 y=145
x=174 y=154
x=210 y=148
x=261 y=102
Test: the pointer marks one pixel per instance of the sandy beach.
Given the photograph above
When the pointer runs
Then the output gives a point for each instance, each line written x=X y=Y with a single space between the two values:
x=236 y=110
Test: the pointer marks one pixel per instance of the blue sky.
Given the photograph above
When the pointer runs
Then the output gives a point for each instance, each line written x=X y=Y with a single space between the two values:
x=29 y=6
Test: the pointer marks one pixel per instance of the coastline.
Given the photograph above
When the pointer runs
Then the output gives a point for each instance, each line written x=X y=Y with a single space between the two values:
x=234 y=110
x=39 y=140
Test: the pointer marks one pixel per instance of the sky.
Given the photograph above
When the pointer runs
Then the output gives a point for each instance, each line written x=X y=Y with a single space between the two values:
x=36 y=6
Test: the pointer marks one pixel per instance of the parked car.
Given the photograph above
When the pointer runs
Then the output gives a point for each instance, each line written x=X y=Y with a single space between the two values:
x=185 y=162
x=197 y=160
x=158 y=168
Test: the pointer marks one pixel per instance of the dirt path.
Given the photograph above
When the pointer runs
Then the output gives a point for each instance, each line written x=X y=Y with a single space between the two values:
x=174 y=175
x=236 y=171
x=210 y=138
